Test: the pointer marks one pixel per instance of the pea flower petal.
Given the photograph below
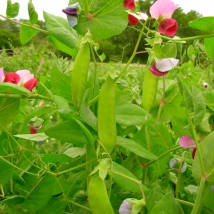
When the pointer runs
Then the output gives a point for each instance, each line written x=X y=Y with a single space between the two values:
x=30 y=84
x=12 y=77
x=71 y=11
x=156 y=72
x=187 y=142
x=130 y=4
x=205 y=84
x=132 y=19
x=172 y=162
x=1 y=75
x=125 y=207
x=25 y=75
x=168 y=27
x=166 y=64
x=163 y=9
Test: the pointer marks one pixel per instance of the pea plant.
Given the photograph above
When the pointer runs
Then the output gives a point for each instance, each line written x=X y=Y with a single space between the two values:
x=90 y=137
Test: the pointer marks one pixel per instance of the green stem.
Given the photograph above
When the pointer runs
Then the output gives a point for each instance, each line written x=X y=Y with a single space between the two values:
x=88 y=161
x=198 y=202
x=181 y=39
x=25 y=25
x=133 y=54
x=79 y=205
x=185 y=202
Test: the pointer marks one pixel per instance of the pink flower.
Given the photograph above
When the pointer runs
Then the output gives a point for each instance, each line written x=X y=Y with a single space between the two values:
x=27 y=79
x=12 y=77
x=168 y=27
x=30 y=84
x=1 y=75
x=162 y=66
x=132 y=20
x=187 y=142
x=130 y=4
x=163 y=9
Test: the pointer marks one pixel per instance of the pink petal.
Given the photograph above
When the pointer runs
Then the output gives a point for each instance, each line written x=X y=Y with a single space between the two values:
x=168 y=27
x=156 y=72
x=167 y=64
x=187 y=142
x=12 y=78
x=129 y=4
x=25 y=75
x=31 y=84
x=163 y=9
x=1 y=75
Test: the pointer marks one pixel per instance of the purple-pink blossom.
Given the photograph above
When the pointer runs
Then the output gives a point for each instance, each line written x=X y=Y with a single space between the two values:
x=163 y=9
x=187 y=142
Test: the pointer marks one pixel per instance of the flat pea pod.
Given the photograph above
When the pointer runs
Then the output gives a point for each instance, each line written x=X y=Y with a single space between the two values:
x=106 y=117
x=98 y=197
x=149 y=89
x=80 y=74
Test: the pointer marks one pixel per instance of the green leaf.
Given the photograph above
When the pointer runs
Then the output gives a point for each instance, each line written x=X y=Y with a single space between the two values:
x=153 y=197
x=199 y=105
x=131 y=115
x=32 y=13
x=55 y=158
x=207 y=152
x=40 y=194
x=13 y=88
x=33 y=137
x=75 y=152
x=61 y=30
x=188 y=98
x=209 y=46
x=62 y=47
x=169 y=50
x=43 y=90
x=27 y=33
x=61 y=84
x=13 y=200
x=208 y=196
x=61 y=102
x=68 y=131
x=135 y=148
x=167 y=205
x=205 y=24
x=101 y=20
x=120 y=178
x=6 y=172
x=12 y=9
x=54 y=206
x=8 y=110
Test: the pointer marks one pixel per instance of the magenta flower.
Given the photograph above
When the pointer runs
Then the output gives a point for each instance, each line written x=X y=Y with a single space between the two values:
x=130 y=4
x=162 y=66
x=1 y=75
x=163 y=9
x=27 y=79
x=187 y=142
x=134 y=17
x=168 y=27
x=12 y=78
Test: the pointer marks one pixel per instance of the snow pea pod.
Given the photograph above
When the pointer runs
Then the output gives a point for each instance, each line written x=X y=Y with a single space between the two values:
x=98 y=197
x=149 y=89
x=80 y=74
x=106 y=116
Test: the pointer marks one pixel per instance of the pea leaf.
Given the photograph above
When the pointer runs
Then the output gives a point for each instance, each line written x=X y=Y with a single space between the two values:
x=6 y=172
x=13 y=200
x=101 y=19
x=209 y=46
x=12 y=88
x=8 y=110
x=33 y=137
x=135 y=148
x=40 y=194
x=169 y=50
x=27 y=33
x=61 y=30
x=12 y=9
x=205 y=24
x=32 y=13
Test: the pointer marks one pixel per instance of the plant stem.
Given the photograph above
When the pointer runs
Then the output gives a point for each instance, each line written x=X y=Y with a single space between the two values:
x=79 y=205
x=25 y=25
x=133 y=54
x=184 y=202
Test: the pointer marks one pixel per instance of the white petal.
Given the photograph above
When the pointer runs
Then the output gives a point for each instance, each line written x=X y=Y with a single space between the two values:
x=139 y=15
x=72 y=20
x=74 y=6
x=167 y=64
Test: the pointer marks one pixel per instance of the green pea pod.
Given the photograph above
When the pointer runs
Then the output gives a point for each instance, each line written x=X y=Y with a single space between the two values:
x=106 y=116
x=80 y=74
x=149 y=89
x=98 y=197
